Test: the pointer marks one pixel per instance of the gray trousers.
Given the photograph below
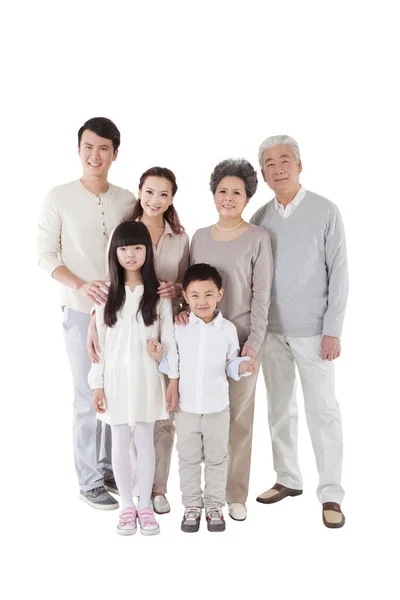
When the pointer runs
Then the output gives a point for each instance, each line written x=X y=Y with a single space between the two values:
x=91 y=438
x=202 y=438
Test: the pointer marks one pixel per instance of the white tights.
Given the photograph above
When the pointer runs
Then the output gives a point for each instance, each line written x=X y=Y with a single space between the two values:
x=143 y=437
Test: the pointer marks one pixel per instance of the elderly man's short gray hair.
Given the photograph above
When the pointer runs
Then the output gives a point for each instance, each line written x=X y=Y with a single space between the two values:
x=277 y=140
x=235 y=167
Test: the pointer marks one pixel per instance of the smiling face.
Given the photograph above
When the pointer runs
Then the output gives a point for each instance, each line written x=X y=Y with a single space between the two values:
x=155 y=195
x=281 y=170
x=131 y=258
x=203 y=297
x=230 y=197
x=96 y=154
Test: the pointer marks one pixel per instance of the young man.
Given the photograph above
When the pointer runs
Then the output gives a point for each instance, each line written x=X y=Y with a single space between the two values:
x=208 y=350
x=74 y=226
x=308 y=302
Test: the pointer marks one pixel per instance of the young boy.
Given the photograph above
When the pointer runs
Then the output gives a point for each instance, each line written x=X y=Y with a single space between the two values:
x=208 y=351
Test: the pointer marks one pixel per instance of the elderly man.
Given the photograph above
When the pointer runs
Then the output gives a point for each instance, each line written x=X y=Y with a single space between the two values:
x=306 y=315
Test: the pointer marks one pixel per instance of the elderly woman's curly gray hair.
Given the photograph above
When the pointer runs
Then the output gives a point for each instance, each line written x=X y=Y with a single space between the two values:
x=235 y=167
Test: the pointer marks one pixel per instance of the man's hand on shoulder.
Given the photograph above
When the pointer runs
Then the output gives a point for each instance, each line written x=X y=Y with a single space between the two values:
x=95 y=290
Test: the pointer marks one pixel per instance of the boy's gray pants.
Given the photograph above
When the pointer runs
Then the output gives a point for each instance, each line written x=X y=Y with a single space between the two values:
x=202 y=438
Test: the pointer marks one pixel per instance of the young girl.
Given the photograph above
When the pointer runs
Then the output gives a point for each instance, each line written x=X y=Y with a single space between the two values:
x=126 y=385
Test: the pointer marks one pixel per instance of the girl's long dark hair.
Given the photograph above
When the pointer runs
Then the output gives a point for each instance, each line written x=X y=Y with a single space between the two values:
x=131 y=233
x=170 y=215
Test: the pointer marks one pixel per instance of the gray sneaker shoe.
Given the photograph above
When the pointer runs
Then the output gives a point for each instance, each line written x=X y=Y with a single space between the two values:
x=111 y=486
x=99 y=498
x=191 y=519
x=215 y=519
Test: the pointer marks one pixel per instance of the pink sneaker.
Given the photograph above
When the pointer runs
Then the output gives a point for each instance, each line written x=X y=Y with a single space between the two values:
x=147 y=522
x=127 y=521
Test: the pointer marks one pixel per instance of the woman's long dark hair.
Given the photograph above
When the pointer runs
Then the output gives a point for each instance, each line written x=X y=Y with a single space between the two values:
x=131 y=233
x=170 y=215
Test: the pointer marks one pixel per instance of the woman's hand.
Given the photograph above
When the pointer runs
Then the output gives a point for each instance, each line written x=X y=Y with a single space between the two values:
x=247 y=351
x=168 y=289
x=98 y=400
x=172 y=395
x=155 y=350
x=182 y=318
x=92 y=341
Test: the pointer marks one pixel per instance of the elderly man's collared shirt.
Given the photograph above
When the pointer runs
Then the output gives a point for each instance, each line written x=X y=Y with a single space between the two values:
x=285 y=212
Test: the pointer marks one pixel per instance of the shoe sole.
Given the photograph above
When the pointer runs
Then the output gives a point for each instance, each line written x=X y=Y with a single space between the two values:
x=237 y=519
x=126 y=531
x=278 y=497
x=216 y=528
x=188 y=529
x=164 y=512
x=150 y=531
x=99 y=506
x=111 y=489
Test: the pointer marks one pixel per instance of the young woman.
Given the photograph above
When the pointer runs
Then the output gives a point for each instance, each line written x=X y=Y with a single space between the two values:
x=126 y=385
x=155 y=209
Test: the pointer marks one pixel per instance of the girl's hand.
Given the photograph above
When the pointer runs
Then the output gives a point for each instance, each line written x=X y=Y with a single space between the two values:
x=172 y=395
x=248 y=366
x=247 y=351
x=98 y=400
x=155 y=350
x=182 y=318
x=168 y=289
x=92 y=341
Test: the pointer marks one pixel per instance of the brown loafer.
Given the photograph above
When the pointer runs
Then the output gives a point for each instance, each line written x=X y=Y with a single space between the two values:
x=283 y=492
x=332 y=520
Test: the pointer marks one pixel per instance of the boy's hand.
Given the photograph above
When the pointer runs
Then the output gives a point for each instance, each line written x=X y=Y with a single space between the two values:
x=98 y=400
x=248 y=366
x=155 y=350
x=172 y=395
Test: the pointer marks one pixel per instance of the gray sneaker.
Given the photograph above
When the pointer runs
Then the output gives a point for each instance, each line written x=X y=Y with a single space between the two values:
x=215 y=519
x=111 y=486
x=191 y=519
x=99 y=498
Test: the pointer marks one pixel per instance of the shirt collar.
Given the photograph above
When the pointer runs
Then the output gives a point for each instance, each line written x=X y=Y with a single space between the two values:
x=89 y=193
x=216 y=322
x=296 y=200
x=167 y=228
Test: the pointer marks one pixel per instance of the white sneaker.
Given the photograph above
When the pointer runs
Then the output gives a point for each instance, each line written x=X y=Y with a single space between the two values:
x=237 y=511
x=161 y=504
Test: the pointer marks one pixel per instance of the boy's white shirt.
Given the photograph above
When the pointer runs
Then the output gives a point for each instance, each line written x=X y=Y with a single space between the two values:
x=207 y=351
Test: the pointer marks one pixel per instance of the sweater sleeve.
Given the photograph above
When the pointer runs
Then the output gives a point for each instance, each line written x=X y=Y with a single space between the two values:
x=261 y=291
x=96 y=373
x=337 y=270
x=49 y=235
x=167 y=337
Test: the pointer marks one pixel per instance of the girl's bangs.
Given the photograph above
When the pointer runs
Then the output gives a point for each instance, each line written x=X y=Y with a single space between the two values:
x=127 y=234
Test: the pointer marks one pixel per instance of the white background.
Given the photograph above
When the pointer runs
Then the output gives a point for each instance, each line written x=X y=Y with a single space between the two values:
x=190 y=84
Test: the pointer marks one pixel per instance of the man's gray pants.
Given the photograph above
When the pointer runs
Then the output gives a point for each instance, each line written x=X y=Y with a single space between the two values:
x=91 y=437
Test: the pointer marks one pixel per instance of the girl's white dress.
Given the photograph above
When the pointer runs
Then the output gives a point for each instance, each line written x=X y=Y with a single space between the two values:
x=134 y=390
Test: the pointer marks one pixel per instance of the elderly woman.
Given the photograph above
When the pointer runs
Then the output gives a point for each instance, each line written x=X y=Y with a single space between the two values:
x=242 y=254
